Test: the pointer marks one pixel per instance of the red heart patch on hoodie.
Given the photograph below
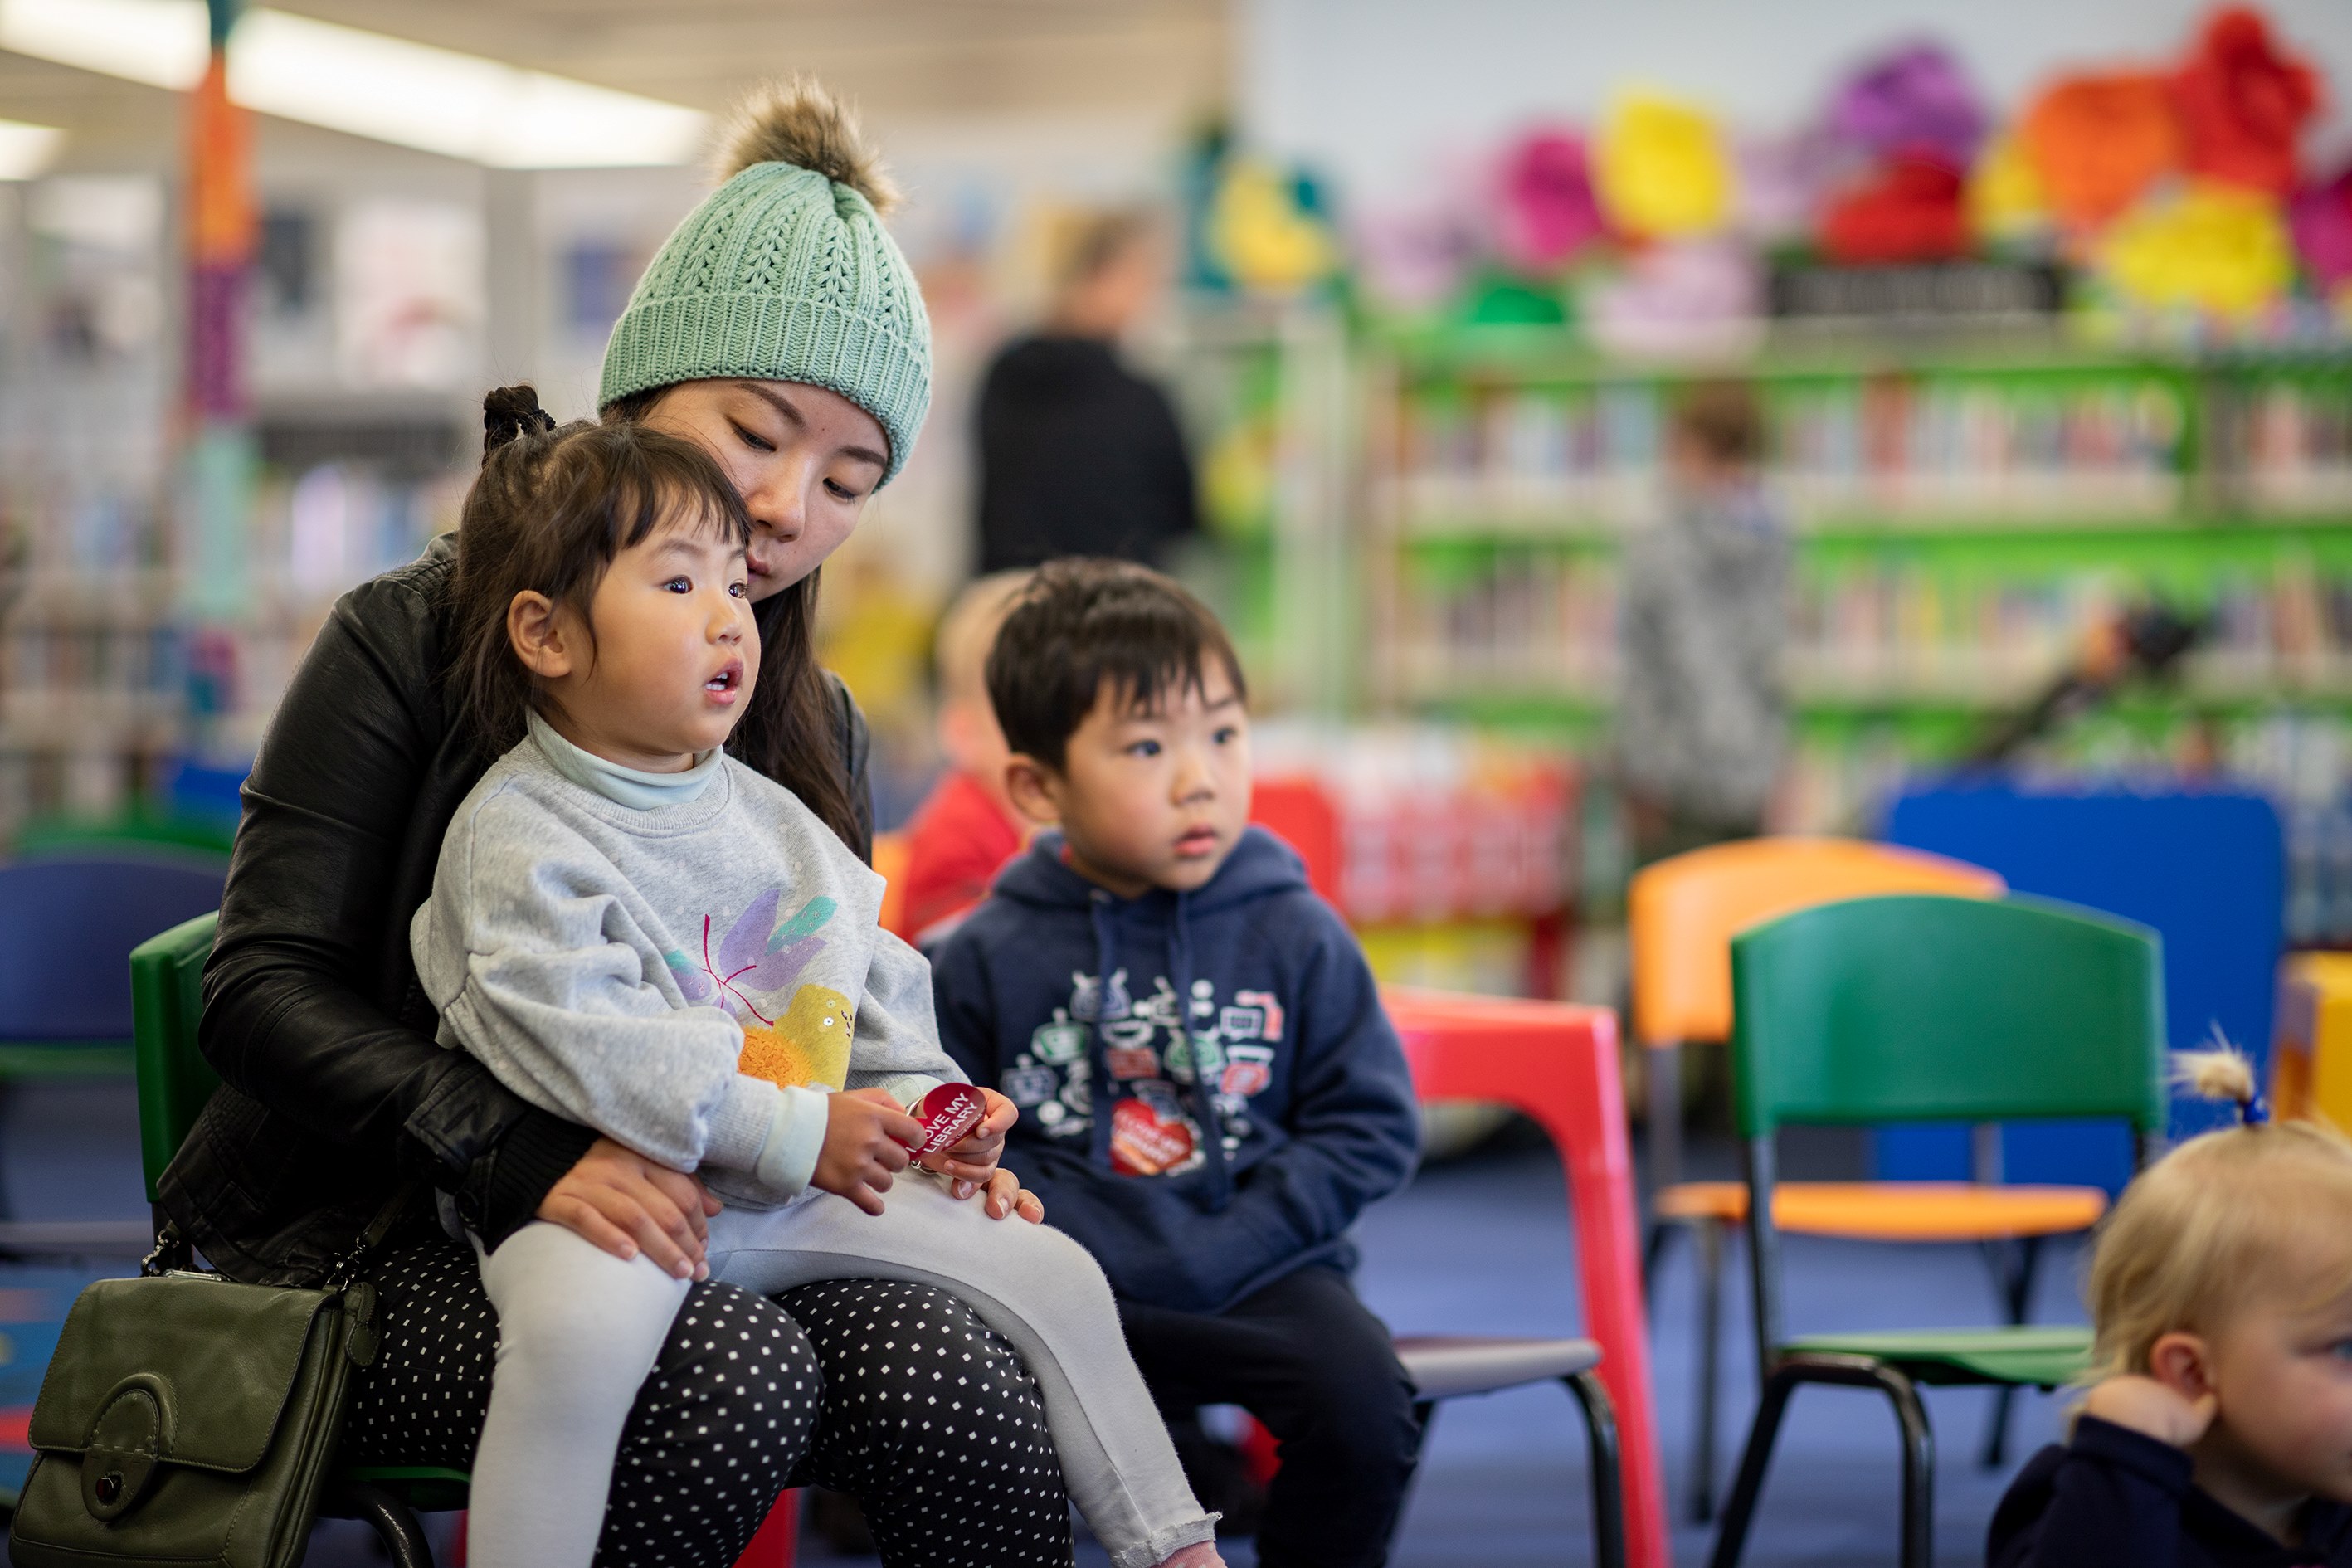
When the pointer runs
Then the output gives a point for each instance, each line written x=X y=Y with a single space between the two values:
x=1142 y=1143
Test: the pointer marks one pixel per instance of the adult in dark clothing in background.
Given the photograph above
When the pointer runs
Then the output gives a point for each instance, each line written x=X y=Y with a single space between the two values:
x=1078 y=455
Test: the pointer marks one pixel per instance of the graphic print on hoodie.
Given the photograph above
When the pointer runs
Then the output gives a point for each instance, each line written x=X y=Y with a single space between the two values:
x=1209 y=1090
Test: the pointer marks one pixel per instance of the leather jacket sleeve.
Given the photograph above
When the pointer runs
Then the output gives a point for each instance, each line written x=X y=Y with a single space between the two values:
x=310 y=1007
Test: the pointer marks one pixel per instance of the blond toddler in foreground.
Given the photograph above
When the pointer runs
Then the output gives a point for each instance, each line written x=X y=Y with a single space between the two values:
x=2219 y=1432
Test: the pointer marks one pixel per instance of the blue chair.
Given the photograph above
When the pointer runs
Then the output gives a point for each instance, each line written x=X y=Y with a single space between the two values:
x=67 y=929
x=2205 y=868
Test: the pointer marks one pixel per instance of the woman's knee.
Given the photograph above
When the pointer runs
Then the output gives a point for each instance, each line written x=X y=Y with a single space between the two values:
x=870 y=1333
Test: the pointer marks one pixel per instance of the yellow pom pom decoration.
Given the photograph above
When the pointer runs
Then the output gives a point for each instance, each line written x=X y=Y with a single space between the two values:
x=2005 y=198
x=2216 y=247
x=1260 y=235
x=1661 y=168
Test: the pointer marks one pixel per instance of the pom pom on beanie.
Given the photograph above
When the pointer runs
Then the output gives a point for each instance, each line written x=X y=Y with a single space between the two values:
x=797 y=121
x=785 y=273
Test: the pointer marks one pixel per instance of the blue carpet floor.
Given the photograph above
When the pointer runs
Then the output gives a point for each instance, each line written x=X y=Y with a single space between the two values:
x=1477 y=1245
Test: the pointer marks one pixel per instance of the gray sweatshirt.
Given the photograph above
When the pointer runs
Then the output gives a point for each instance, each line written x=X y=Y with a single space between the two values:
x=686 y=963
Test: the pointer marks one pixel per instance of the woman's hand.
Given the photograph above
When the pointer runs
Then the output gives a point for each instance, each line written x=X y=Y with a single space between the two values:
x=617 y=1199
x=2153 y=1409
x=971 y=1163
x=1006 y=1196
x=866 y=1136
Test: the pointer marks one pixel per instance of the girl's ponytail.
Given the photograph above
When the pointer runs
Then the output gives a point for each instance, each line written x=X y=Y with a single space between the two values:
x=2223 y=1073
x=512 y=413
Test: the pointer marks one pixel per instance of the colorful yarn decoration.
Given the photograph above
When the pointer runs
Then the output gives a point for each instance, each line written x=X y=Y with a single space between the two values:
x=1700 y=297
x=1417 y=256
x=1785 y=180
x=2098 y=140
x=1548 y=212
x=1915 y=99
x=2005 y=199
x=2213 y=248
x=1910 y=210
x=2243 y=102
x=2321 y=219
x=1262 y=232
x=1661 y=168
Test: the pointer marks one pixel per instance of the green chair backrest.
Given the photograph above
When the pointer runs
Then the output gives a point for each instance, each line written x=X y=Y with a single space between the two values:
x=1915 y=1008
x=166 y=1001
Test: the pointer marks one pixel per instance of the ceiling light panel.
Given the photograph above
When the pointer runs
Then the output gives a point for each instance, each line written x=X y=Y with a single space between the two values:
x=28 y=151
x=368 y=84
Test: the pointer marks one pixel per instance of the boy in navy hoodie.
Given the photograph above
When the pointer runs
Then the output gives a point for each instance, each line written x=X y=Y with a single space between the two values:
x=1209 y=1090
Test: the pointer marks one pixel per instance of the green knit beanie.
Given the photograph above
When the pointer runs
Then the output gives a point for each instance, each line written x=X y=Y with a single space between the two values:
x=785 y=273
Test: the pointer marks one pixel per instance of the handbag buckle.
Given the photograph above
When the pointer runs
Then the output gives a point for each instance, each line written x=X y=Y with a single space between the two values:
x=120 y=1463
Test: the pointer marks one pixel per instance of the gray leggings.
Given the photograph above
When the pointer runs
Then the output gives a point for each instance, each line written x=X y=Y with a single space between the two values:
x=579 y=1329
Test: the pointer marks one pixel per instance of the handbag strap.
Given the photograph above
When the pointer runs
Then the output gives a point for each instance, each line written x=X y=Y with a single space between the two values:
x=345 y=1268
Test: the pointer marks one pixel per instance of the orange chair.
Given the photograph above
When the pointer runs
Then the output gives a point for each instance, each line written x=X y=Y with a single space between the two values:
x=1681 y=915
x=2310 y=1054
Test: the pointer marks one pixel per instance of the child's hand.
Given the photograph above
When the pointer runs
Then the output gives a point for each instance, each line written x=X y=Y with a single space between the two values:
x=2153 y=1409
x=867 y=1135
x=1006 y=1195
x=972 y=1162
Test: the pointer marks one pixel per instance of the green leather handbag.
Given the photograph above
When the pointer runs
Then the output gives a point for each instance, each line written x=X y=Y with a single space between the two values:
x=189 y=1420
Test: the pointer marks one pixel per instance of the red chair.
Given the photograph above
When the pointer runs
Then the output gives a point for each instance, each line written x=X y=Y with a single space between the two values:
x=772 y=1546
x=1557 y=1064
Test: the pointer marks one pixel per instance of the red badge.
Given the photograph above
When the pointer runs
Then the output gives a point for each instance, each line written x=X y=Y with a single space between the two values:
x=1246 y=1078
x=1142 y=1144
x=1132 y=1061
x=946 y=1113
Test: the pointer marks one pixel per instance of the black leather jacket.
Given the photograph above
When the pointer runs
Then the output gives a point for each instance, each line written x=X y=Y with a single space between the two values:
x=334 y=1089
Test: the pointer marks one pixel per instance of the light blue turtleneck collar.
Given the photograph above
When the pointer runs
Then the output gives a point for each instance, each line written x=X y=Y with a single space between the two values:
x=624 y=787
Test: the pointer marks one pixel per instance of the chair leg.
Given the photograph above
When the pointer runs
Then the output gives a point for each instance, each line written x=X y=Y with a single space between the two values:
x=1918 y=1469
x=1731 y=1532
x=1608 y=1483
x=1653 y=1252
x=390 y=1517
x=2015 y=1265
x=1918 y=1524
x=1710 y=1369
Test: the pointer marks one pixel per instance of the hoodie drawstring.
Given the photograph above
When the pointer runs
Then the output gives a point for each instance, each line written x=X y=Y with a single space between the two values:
x=1215 y=1153
x=1098 y=1088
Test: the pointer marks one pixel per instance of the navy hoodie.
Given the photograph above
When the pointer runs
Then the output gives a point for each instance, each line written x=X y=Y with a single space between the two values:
x=2114 y=1497
x=1125 y=1027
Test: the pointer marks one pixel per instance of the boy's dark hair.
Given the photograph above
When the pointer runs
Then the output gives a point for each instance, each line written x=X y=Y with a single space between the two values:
x=551 y=510
x=1723 y=419
x=1082 y=623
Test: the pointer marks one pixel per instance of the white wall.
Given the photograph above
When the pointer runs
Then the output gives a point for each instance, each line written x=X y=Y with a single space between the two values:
x=1377 y=94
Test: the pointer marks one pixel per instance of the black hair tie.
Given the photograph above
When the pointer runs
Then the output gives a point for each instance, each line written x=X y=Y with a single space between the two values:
x=512 y=413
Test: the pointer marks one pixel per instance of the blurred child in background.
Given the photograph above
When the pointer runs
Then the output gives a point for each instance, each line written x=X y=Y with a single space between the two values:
x=966 y=828
x=1210 y=1093
x=1702 y=718
x=2220 y=1432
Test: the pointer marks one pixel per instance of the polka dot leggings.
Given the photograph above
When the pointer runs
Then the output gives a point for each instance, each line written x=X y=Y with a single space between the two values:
x=927 y=1418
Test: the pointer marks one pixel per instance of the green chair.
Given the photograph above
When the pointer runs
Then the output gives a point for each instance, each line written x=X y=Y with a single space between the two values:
x=1927 y=1009
x=173 y=1082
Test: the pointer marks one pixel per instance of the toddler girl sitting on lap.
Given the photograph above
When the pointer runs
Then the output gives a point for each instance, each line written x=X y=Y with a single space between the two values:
x=634 y=930
x=2221 y=1430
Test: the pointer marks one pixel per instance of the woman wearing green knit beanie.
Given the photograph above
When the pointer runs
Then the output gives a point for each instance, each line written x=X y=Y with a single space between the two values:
x=781 y=327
